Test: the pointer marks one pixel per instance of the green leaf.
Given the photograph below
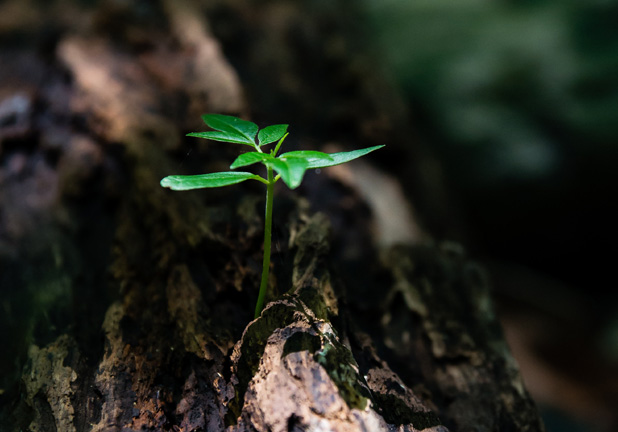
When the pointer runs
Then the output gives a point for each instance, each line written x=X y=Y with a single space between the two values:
x=272 y=133
x=342 y=157
x=221 y=136
x=310 y=156
x=291 y=170
x=250 y=158
x=230 y=129
x=182 y=182
x=231 y=124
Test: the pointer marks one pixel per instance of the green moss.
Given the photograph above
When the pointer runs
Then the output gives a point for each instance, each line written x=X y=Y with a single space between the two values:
x=396 y=411
x=314 y=301
x=301 y=341
x=339 y=363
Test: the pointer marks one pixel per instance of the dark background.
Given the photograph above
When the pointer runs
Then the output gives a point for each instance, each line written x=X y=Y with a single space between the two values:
x=518 y=100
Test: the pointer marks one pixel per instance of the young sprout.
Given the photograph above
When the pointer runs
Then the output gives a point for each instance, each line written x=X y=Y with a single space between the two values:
x=290 y=167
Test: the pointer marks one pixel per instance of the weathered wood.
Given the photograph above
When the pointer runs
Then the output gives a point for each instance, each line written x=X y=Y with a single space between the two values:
x=150 y=293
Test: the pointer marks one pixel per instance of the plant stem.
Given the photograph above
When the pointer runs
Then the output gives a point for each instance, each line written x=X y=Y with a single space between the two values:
x=268 y=222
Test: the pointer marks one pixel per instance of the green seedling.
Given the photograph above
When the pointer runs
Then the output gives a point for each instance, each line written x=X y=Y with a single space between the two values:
x=290 y=167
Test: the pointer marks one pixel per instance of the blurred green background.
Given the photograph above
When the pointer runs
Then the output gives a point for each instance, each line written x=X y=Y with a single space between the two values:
x=518 y=100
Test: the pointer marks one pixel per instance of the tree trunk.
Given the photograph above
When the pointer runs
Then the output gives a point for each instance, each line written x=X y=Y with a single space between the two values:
x=129 y=307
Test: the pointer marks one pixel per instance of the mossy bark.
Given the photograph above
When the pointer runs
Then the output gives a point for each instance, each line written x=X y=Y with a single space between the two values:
x=131 y=306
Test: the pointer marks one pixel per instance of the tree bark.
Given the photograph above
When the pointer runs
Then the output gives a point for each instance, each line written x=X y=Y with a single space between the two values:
x=129 y=307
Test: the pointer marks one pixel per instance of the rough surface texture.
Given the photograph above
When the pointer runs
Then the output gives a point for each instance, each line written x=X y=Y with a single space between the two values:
x=128 y=307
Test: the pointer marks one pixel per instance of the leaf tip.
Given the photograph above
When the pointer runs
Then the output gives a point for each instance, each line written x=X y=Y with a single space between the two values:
x=166 y=182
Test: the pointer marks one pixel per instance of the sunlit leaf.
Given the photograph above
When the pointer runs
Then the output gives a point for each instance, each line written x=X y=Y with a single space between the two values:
x=231 y=124
x=342 y=157
x=308 y=155
x=291 y=170
x=182 y=182
x=250 y=158
x=228 y=129
x=221 y=136
x=272 y=133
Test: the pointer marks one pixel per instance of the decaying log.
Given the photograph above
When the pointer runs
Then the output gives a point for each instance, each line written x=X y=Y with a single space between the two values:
x=140 y=317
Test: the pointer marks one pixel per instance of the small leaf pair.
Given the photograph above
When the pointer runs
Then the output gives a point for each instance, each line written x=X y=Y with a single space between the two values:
x=238 y=131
